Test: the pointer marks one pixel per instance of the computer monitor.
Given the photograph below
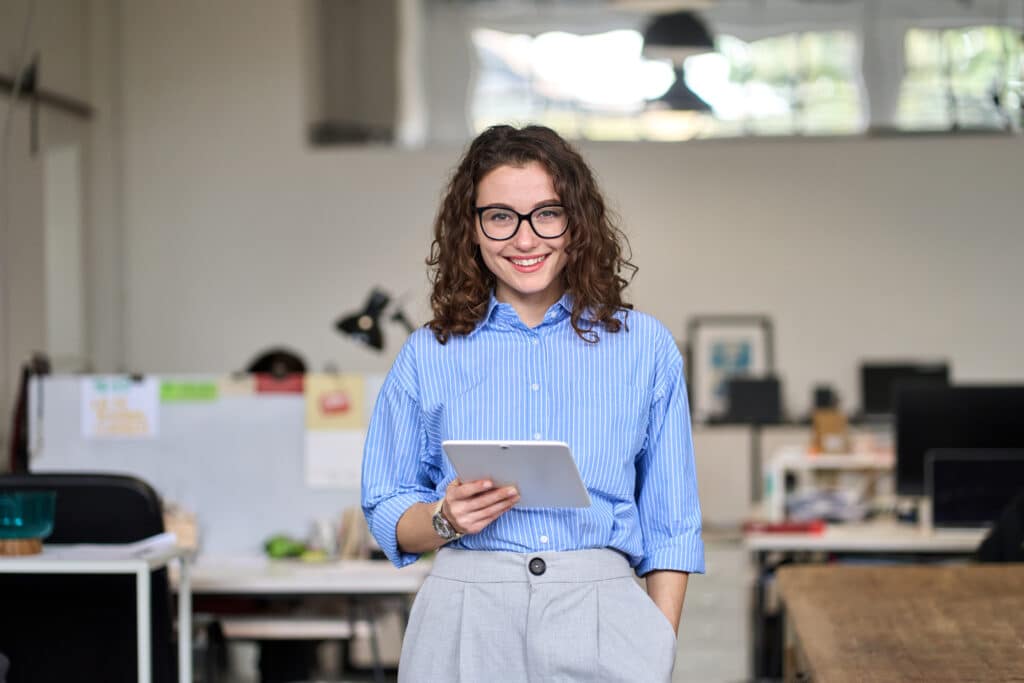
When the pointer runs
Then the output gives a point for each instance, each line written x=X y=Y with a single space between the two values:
x=970 y=487
x=929 y=417
x=878 y=381
x=754 y=400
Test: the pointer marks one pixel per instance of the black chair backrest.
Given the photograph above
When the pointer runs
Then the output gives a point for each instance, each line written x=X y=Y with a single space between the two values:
x=95 y=508
x=1005 y=542
x=82 y=628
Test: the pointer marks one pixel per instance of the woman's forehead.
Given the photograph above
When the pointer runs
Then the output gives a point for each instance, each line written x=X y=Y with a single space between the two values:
x=530 y=181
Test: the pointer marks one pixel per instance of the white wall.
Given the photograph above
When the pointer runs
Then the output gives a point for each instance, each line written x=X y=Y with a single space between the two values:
x=238 y=236
x=904 y=248
x=63 y=262
x=56 y=34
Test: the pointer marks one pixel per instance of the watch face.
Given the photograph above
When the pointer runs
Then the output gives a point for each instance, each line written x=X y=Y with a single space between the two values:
x=443 y=528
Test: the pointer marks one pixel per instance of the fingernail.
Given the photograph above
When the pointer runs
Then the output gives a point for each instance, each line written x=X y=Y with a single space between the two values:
x=488 y=484
x=511 y=491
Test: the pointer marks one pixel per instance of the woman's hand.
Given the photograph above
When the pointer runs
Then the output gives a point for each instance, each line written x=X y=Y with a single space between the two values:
x=471 y=506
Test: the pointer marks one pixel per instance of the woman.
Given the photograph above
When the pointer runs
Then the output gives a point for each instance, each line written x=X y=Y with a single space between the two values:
x=531 y=340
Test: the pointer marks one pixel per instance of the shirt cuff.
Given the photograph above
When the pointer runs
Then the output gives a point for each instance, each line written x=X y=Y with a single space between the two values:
x=683 y=553
x=384 y=525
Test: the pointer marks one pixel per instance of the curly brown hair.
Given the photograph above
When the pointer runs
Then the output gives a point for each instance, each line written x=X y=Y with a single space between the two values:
x=597 y=252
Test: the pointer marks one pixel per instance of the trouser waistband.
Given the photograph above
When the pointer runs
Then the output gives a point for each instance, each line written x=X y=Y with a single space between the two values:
x=566 y=566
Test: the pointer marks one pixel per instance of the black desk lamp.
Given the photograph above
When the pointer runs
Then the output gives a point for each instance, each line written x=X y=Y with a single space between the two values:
x=402 y=319
x=365 y=324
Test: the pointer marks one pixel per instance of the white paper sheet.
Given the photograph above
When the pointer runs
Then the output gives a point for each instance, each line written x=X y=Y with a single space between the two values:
x=334 y=459
x=119 y=407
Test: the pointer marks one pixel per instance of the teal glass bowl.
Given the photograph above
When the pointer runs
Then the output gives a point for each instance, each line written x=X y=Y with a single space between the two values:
x=26 y=514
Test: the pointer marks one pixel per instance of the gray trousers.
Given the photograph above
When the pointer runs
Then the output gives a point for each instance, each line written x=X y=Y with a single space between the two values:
x=486 y=617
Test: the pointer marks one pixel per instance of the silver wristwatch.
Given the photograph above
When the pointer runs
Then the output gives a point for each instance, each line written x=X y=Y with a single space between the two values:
x=442 y=526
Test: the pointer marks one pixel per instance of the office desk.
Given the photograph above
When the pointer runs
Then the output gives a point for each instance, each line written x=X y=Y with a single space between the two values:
x=136 y=558
x=869 y=537
x=257 y=575
x=872 y=539
x=921 y=623
x=364 y=582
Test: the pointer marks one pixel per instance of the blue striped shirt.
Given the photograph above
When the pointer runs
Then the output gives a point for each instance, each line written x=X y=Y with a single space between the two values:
x=620 y=404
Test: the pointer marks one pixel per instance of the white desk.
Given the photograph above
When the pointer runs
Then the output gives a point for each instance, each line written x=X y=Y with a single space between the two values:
x=136 y=558
x=364 y=581
x=256 y=575
x=869 y=537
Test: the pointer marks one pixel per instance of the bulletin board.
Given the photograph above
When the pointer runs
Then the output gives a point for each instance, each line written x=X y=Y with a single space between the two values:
x=250 y=456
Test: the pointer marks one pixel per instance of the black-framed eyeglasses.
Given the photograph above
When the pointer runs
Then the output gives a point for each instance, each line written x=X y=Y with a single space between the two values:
x=501 y=223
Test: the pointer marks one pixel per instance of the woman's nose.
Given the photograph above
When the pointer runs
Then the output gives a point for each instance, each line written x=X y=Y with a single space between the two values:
x=525 y=238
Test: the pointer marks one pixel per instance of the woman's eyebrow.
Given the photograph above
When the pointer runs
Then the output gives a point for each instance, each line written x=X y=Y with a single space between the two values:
x=502 y=205
x=547 y=202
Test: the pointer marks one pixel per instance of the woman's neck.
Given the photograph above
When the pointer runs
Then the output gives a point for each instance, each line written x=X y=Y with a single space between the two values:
x=530 y=308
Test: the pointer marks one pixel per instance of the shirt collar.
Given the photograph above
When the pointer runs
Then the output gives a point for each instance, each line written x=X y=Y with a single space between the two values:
x=498 y=312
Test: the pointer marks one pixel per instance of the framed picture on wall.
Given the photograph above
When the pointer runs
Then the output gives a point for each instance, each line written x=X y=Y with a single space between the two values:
x=720 y=347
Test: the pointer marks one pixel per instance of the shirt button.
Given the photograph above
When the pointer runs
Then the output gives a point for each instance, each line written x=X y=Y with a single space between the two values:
x=535 y=387
x=536 y=341
x=537 y=566
x=544 y=539
x=536 y=437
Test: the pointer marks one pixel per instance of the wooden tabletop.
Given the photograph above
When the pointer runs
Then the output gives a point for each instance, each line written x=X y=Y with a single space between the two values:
x=907 y=623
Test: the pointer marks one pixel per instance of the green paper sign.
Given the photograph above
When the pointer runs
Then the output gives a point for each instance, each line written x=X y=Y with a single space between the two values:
x=188 y=392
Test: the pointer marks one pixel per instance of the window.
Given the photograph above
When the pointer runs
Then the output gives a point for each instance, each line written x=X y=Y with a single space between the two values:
x=967 y=78
x=601 y=87
x=795 y=84
x=593 y=87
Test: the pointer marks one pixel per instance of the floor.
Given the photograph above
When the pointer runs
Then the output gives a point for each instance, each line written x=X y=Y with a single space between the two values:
x=714 y=638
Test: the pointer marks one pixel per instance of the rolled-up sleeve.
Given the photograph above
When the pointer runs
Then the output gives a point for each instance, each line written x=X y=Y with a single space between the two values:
x=392 y=478
x=669 y=510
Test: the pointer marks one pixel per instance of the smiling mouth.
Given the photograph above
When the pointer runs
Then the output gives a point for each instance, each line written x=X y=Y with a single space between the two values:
x=527 y=262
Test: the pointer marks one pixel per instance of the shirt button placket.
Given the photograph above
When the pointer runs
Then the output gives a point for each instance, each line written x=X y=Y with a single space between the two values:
x=537 y=416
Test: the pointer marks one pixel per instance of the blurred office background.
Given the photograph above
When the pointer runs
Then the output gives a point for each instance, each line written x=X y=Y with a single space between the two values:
x=218 y=177
x=190 y=221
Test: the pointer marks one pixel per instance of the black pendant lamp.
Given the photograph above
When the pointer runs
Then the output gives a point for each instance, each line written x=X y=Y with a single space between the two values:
x=676 y=36
x=679 y=97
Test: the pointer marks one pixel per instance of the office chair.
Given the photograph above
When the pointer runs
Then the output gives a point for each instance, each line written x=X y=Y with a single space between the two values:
x=1005 y=541
x=82 y=628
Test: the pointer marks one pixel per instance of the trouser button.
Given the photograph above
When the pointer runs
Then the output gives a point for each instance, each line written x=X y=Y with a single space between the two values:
x=537 y=566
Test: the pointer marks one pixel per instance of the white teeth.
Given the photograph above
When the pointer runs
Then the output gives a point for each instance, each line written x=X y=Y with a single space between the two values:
x=528 y=262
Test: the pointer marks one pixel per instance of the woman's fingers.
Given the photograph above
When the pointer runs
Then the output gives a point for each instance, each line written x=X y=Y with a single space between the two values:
x=473 y=505
x=458 y=490
x=478 y=521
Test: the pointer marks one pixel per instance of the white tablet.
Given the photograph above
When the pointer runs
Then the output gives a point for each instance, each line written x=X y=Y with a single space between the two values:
x=543 y=471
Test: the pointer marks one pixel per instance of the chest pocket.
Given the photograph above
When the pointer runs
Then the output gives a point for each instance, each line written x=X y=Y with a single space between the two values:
x=463 y=409
x=609 y=419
